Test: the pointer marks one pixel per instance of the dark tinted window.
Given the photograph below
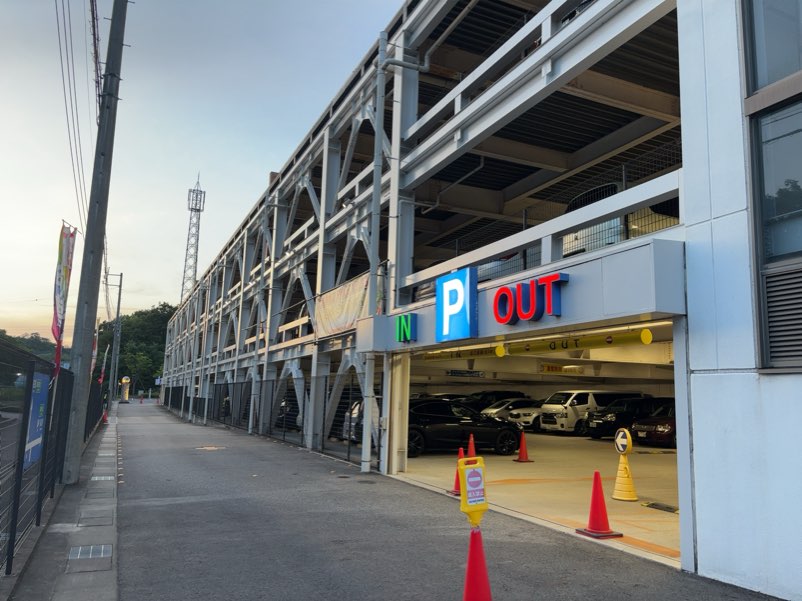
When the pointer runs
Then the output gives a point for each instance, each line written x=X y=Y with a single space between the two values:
x=580 y=399
x=434 y=408
x=777 y=39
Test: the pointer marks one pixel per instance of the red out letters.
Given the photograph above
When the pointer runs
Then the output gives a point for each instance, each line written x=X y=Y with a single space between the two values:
x=529 y=300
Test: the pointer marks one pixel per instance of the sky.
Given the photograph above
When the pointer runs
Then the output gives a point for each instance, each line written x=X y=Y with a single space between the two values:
x=221 y=90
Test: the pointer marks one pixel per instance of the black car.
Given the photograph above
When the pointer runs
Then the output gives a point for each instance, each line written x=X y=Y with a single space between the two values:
x=482 y=400
x=621 y=413
x=440 y=425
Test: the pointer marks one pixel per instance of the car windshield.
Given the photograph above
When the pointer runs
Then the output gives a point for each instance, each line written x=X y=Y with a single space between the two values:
x=558 y=398
x=664 y=411
x=498 y=405
x=619 y=405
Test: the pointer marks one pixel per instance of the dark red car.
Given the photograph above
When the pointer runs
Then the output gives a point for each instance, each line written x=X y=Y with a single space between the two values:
x=660 y=428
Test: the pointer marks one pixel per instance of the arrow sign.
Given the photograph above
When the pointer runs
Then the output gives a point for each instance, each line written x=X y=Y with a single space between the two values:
x=623 y=441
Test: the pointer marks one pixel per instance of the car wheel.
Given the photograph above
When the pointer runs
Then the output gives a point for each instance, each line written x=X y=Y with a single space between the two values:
x=535 y=427
x=581 y=428
x=415 y=443
x=506 y=443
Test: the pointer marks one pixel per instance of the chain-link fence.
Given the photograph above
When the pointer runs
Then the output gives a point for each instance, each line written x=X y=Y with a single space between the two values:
x=34 y=416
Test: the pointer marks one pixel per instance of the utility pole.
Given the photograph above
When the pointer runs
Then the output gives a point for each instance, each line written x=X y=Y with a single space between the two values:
x=115 y=352
x=95 y=235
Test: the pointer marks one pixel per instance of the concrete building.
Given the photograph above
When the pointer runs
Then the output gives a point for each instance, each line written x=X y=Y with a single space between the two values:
x=624 y=165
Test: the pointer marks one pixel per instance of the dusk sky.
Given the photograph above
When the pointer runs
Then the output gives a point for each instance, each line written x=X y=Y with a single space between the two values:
x=224 y=89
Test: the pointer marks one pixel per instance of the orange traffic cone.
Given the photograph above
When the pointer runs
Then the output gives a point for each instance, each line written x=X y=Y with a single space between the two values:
x=477 y=584
x=456 y=490
x=105 y=417
x=523 y=454
x=598 y=526
x=471 y=447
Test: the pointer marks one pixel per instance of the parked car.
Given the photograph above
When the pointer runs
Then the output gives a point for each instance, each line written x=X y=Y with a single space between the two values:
x=441 y=425
x=567 y=410
x=482 y=400
x=503 y=408
x=528 y=416
x=621 y=413
x=353 y=420
x=660 y=428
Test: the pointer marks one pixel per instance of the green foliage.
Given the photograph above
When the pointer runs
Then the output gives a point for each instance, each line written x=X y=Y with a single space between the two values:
x=142 y=340
x=141 y=345
x=37 y=345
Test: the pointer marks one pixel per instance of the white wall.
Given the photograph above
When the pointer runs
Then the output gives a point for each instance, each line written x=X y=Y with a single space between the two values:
x=744 y=464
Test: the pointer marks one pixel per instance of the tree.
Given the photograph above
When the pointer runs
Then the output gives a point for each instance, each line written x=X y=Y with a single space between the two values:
x=37 y=345
x=142 y=340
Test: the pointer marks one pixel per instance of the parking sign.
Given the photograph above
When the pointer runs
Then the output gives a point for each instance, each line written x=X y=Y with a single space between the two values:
x=456 y=311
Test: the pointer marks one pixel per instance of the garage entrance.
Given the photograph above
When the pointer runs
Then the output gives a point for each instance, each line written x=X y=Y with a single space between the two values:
x=630 y=361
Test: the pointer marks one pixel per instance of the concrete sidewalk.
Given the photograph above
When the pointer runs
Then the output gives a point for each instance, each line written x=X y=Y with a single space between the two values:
x=73 y=558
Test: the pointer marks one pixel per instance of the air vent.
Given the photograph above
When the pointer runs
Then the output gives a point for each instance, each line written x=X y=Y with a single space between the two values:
x=784 y=317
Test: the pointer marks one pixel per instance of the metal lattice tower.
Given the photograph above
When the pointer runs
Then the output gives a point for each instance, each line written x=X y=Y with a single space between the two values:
x=196 y=200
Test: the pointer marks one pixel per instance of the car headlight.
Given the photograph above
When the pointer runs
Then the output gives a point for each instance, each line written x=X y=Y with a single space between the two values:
x=610 y=417
x=563 y=414
x=663 y=428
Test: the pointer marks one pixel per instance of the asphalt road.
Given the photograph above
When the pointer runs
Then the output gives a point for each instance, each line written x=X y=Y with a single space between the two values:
x=210 y=513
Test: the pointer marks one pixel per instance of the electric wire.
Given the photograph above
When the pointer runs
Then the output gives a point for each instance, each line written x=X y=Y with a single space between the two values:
x=76 y=120
x=81 y=216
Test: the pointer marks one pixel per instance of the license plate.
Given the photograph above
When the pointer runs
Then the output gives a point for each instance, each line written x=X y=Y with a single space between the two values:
x=641 y=434
x=592 y=424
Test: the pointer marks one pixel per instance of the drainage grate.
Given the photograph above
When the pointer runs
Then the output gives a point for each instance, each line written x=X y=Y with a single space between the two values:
x=90 y=552
x=661 y=507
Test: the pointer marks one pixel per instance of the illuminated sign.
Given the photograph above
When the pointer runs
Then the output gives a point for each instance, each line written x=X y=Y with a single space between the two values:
x=406 y=328
x=529 y=300
x=456 y=310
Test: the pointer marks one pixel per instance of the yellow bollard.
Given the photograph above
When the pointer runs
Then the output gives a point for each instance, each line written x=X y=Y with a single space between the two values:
x=624 y=486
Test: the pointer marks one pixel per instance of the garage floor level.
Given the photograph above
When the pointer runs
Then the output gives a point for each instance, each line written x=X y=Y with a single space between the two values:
x=556 y=488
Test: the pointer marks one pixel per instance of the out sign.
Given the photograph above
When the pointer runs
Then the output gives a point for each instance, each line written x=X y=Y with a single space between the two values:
x=456 y=311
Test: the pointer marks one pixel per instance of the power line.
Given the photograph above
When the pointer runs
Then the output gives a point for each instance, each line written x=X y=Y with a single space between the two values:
x=81 y=213
x=76 y=120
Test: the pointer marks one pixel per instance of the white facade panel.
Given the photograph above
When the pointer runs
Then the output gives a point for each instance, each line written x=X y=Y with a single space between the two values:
x=746 y=481
x=724 y=94
x=733 y=281
x=694 y=107
x=702 y=337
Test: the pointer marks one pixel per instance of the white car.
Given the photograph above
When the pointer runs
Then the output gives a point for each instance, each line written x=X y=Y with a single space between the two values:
x=525 y=410
x=528 y=417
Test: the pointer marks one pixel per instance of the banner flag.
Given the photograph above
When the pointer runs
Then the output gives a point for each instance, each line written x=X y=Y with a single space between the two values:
x=103 y=367
x=66 y=247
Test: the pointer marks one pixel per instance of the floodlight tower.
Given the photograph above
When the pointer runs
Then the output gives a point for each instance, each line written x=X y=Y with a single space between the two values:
x=196 y=200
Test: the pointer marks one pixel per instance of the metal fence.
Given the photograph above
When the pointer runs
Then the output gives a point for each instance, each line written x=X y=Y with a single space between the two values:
x=34 y=417
x=281 y=409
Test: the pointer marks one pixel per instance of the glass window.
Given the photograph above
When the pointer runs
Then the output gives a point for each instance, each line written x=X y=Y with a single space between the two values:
x=777 y=39
x=461 y=411
x=780 y=143
x=581 y=398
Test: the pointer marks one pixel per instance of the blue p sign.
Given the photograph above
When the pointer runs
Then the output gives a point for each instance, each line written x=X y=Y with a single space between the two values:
x=456 y=309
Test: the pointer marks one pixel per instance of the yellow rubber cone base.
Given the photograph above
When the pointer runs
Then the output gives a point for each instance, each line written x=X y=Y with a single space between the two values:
x=624 y=486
